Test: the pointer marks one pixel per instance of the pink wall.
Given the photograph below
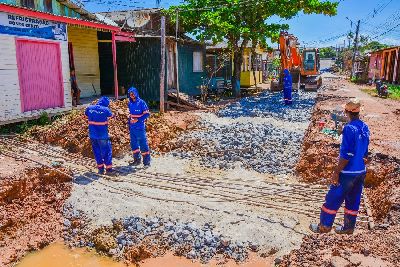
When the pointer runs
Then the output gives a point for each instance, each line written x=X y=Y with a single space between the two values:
x=375 y=63
x=40 y=76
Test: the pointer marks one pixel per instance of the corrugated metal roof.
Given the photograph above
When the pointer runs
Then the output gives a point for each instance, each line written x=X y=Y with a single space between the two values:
x=78 y=9
x=383 y=49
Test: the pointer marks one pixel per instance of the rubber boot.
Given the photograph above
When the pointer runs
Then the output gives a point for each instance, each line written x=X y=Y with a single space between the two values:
x=111 y=172
x=136 y=161
x=146 y=160
x=319 y=229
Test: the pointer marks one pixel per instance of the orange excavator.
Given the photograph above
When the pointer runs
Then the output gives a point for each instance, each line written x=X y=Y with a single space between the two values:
x=303 y=64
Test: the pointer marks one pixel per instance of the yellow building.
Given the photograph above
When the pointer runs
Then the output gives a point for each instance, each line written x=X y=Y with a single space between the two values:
x=248 y=71
x=84 y=57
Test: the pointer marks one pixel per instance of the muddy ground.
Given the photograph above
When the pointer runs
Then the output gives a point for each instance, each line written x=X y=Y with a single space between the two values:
x=31 y=201
x=379 y=247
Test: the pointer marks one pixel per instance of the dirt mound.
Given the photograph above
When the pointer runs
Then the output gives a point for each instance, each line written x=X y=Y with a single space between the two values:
x=71 y=131
x=373 y=248
x=30 y=211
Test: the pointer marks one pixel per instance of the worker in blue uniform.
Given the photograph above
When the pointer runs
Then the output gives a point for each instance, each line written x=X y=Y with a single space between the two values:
x=287 y=87
x=98 y=116
x=349 y=175
x=139 y=113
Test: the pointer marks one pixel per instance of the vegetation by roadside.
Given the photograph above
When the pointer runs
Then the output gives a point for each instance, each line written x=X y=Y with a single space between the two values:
x=22 y=127
x=394 y=91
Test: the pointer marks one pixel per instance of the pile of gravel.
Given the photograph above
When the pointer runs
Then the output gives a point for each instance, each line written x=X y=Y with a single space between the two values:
x=258 y=133
x=187 y=239
x=270 y=104
x=184 y=238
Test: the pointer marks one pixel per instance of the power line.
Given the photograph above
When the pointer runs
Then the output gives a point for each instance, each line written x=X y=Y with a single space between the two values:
x=386 y=32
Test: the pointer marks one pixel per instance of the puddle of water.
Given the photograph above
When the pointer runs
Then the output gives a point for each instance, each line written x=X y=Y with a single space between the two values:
x=57 y=254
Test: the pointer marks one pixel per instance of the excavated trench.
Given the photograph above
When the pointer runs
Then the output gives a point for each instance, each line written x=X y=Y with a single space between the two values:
x=377 y=247
x=31 y=211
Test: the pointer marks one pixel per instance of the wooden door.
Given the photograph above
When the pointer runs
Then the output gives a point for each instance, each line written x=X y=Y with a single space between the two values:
x=40 y=76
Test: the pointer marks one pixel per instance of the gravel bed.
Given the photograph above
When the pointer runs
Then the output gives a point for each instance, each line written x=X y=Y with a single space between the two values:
x=258 y=133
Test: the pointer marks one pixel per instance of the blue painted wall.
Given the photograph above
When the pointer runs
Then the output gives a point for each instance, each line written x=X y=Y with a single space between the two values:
x=189 y=80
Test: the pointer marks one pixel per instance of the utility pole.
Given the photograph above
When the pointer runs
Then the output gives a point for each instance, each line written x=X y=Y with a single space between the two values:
x=353 y=71
x=162 y=71
x=176 y=55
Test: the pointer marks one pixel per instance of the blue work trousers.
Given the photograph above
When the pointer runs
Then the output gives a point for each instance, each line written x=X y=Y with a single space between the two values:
x=287 y=95
x=102 y=151
x=349 y=190
x=140 y=145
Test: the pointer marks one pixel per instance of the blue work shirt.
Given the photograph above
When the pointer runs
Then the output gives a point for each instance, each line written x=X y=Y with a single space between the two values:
x=98 y=121
x=138 y=110
x=354 y=147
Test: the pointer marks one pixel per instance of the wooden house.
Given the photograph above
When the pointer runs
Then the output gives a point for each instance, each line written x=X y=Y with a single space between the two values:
x=385 y=64
x=139 y=62
x=40 y=40
x=247 y=70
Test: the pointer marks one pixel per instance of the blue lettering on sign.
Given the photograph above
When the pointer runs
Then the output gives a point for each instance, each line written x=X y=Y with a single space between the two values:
x=32 y=27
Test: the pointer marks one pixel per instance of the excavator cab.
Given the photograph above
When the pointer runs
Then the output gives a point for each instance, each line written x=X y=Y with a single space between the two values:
x=310 y=79
x=310 y=62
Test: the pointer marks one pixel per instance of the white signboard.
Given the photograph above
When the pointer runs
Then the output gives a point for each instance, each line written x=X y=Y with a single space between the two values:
x=26 y=26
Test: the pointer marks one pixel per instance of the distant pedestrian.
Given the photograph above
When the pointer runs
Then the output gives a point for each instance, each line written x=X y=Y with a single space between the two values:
x=75 y=91
x=139 y=113
x=98 y=116
x=287 y=87
x=349 y=175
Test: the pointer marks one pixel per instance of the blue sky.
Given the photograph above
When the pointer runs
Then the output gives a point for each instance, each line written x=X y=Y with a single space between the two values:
x=312 y=30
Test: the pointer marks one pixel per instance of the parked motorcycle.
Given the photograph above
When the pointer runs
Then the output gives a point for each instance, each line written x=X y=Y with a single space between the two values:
x=383 y=91
x=381 y=88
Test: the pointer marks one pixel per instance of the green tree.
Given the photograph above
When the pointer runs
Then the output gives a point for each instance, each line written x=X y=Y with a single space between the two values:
x=327 y=52
x=243 y=22
x=372 y=46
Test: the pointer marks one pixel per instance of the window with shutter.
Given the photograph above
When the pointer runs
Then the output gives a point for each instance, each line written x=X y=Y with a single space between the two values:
x=197 y=61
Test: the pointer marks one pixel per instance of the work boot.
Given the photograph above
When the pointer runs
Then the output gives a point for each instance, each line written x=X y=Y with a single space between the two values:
x=146 y=160
x=136 y=162
x=319 y=229
x=342 y=231
x=111 y=172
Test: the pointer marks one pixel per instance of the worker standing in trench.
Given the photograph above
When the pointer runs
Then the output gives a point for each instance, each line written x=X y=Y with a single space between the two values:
x=349 y=175
x=98 y=132
x=139 y=113
x=287 y=87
